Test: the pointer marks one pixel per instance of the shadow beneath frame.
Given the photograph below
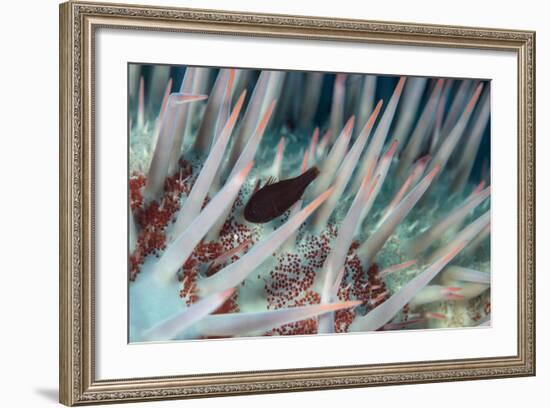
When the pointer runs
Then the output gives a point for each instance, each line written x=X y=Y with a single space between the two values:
x=50 y=394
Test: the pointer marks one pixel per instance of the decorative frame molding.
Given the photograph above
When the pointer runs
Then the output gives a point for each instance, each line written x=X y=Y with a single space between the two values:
x=78 y=22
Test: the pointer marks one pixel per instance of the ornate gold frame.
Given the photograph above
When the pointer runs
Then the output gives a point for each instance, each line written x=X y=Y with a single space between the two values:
x=78 y=22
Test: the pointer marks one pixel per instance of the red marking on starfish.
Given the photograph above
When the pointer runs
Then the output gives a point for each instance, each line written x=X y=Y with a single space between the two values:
x=152 y=218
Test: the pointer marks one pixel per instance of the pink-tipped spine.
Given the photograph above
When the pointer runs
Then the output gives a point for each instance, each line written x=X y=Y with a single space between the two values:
x=368 y=250
x=449 y=222
x=192 y=205
x=257 y=323
x=421 y=130
x=330 y=165
x=344 y=173
x=396 y=268
x=337 y=109
x=313 y=147
x=183 y=245
x=379 y=137
x=173 y=326
x=141 y=104
x=277 y=162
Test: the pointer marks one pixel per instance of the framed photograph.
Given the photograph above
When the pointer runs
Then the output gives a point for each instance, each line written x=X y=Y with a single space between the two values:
x=260 y=203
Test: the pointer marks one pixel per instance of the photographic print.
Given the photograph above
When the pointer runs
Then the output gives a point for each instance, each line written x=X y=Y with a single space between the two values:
x=269 y=203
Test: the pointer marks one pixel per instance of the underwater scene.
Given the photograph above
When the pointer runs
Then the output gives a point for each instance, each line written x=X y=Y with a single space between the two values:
x=269 y=203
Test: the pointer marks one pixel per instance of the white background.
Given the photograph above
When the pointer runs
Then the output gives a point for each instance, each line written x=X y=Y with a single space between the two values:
x=29 y=164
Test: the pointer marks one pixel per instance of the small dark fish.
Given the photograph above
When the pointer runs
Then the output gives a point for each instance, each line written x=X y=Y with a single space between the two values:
x=273 y=200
